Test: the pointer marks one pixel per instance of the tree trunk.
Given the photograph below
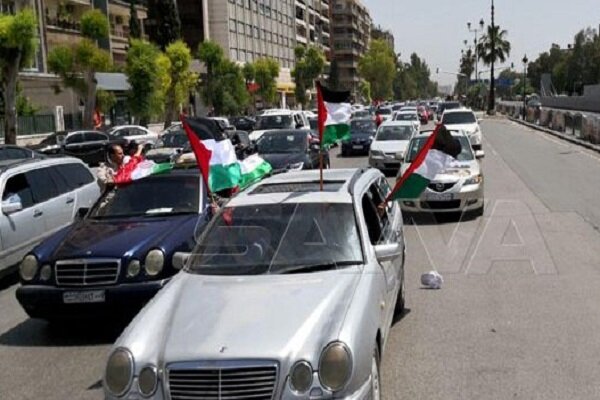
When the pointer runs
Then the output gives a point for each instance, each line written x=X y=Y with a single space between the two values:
x=170 y=108
x=90 y=101
x=10 y=100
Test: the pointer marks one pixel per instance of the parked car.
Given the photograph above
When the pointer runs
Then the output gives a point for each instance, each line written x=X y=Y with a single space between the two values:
x=135 y=133
x=88 y=146
x=459 y=188
x=465 y=120
x=50 y=145
x=169 y=147
x=390 y=143
x=243 y=123
x=120 y=254
x=39 y=197
x=12 y=152
x=362 y=132
x=292 y=150
x=292 y=288
x=277 y=120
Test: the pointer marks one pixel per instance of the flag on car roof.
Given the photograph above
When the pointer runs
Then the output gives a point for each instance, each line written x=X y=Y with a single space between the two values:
x=215 y=154
x=138 y=168
x=334 y=112
x=254 y=168
x=438 y=152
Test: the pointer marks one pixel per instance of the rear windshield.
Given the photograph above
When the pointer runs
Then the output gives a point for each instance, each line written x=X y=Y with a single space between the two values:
x=459 y=118
x=387 y=133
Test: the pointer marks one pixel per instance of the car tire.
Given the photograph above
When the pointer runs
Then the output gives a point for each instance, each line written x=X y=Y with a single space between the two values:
x=375 y=375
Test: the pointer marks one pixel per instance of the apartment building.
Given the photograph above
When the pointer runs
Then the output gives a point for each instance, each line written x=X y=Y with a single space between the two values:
x=351 y=32
x=378 y=33
x=313 y=24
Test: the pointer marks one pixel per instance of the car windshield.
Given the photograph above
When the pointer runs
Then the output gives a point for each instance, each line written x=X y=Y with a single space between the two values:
x=278 y=239
x=282 y=143
x=175 y=140
x=362 y=126
x=406 y=117
x=416 y=144
x=274 y=122
x=166 y=195
x=387 y=133
x=453 y=118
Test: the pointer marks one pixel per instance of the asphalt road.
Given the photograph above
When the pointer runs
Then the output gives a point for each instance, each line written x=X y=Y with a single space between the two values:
x=517 y=316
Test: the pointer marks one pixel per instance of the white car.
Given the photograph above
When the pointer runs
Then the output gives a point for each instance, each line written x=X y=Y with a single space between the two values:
x=279 y=119
x=390 y=144
x=464 y=119
x=458 y=188
x=411 y=116
x=135 y=133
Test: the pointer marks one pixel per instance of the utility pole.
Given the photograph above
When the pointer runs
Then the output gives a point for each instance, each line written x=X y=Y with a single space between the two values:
x=525 y=61
x=476 y=31
x=492 y=95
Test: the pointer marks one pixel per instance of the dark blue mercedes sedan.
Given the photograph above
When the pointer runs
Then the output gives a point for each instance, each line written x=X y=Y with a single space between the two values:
x=121 y=252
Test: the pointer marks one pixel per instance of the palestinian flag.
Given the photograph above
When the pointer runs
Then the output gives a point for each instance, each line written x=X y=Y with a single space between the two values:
x=254 y=168
x=214 y=153
x=334 y=115
x=138 y=168
x=438 y=152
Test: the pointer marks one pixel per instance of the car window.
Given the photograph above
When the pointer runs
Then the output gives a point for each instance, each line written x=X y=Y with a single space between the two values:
x=17 y=187
x=278 y=238
x=43 y=186
x=76 y=175
x=274 y=122
x=371 y=219
x=362 y=126
x=76 y=138
x=459 y=118
x=94 y=137
x=62 y=185
x=11 y=153
x=387 y=133
x=282 y=143
x=406 y=117
x=139 y=132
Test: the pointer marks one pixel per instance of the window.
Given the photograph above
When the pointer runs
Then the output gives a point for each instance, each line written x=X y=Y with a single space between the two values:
x=13 y=153
x=17 y=188
x=99 y=137
x=42 y=185
x=62 y=183
x=76 y=138
x=377 y=225
x=76 y=175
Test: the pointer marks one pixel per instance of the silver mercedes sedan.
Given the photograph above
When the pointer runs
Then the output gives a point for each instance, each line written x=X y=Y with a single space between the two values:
x=290 y=294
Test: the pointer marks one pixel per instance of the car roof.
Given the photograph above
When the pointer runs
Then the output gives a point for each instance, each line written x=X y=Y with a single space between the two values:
x=277 y=112
x=126 y=126
x=397 y=123
x=453 y=132
x=300 y=187
x=285 y=132
x=457 y=110
x=6 y=165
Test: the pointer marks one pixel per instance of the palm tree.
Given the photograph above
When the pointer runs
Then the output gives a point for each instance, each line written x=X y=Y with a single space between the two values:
x=493 y=47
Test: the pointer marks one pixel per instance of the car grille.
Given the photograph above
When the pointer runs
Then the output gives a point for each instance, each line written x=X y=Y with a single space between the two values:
x=442 y=186
x=87 y=272
x=441 y=205
x=256 y=382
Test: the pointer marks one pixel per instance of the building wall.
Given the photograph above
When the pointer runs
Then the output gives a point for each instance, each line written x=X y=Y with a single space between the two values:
x=313 y=24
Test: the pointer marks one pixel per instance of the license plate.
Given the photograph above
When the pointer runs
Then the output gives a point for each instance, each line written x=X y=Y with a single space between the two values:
x=91 y=296
x=357 y=147
x=439 y=196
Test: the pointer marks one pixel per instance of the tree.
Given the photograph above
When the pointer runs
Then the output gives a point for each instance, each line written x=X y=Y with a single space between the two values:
x=493 y=47
x=378 y=67
x=266 y=73
x=334 y=75
x=364 y=89
x=105 y=100
x=135 y=30
x=165 y=26
x=77 y=65
x=180 y=79
x=17 y=47
x=309 y=65
x=143 y=74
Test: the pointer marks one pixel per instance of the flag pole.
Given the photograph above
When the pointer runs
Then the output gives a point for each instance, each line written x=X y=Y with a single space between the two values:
x=321 y=166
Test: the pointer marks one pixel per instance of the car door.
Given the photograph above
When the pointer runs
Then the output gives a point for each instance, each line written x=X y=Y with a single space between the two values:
x=74 y=145
x=20 y=230
x=55 y=207
x=95 y=145
x=82 y=186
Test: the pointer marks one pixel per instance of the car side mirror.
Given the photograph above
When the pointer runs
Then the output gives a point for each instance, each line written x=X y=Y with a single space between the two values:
x=82 y=212
x=479 y=154
x=180 y=259
x=388 y=252
x=11 y=205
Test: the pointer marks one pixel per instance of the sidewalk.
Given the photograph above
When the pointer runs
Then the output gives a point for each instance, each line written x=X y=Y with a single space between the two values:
x=564 y=136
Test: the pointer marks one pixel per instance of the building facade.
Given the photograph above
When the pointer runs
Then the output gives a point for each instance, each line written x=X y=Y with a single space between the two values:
x=378 y=33
x=351 y=32
x=313 y=24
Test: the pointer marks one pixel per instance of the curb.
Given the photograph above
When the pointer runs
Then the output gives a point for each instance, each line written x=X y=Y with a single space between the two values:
x=559 y=135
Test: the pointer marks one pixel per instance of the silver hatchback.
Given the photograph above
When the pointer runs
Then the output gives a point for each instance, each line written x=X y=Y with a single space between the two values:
x=289 y=294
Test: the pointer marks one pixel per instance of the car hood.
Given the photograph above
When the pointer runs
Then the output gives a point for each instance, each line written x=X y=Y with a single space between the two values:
x=390 y=146
x=116 y=238
x=456 y=171
x=283 y=160
x=242 y=317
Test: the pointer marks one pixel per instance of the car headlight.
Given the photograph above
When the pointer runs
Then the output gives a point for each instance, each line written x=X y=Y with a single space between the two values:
x=133 y=268
x=301 y=376
x=29 y=267
x=119 y=372
x=335 y=366
x=474 y=180
x=154 y=262
x=297 y=166
x=148 y=381
x=399 y=155
x=45 y=273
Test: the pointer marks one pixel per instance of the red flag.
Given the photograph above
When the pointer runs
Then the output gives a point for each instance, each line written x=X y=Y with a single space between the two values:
x=202 y=154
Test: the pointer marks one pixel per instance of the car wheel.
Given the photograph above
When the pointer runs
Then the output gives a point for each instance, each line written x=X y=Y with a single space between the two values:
x=375 y=377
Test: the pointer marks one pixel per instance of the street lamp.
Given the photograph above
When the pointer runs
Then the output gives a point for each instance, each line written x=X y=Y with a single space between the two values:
x=476 y=31
x=525 y=61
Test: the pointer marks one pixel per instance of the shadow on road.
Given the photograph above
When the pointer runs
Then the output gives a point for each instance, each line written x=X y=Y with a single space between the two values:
x=426 y=218
x=401 y=316
x=8 y=281
x=33 y=333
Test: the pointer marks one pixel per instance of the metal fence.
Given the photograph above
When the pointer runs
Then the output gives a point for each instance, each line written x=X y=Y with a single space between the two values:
x=31 y=125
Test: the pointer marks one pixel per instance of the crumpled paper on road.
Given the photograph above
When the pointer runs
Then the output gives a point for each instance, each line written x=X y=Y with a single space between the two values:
x=432 y=280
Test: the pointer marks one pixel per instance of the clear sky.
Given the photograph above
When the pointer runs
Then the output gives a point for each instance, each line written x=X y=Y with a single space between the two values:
x=435 y=29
